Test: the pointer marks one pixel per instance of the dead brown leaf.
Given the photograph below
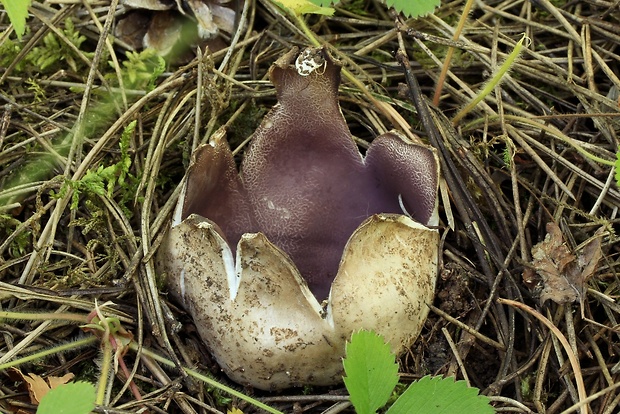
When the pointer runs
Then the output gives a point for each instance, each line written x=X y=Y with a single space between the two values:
x=564 y=274
x=37 y=386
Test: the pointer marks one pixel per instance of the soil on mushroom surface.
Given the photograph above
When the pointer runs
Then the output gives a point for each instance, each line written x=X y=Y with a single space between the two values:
x=90 y=162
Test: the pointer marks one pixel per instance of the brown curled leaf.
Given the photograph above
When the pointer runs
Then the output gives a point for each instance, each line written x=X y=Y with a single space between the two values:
x=37 y=386
x=563 y=273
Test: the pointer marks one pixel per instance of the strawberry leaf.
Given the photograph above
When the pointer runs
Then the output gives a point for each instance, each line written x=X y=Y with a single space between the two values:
x=415 y=8
x=72 y=398
x=18 y=12
x=371 y=371
x=436 y=395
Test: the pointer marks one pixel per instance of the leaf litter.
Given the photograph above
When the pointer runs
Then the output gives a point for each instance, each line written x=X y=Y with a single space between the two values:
x=37 y=386
x=564 y=273
x=538 y=149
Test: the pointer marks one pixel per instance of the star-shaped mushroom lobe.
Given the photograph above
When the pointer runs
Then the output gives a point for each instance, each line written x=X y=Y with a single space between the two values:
x=303 y=182
x=306 y=211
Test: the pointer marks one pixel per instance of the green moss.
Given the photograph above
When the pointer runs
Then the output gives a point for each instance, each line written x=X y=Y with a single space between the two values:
x=8 y=52
x=55 y=54
x=21 y=243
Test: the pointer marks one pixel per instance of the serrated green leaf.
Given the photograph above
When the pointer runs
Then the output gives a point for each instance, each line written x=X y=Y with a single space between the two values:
x=72 y=398
x=415 y=8
x=371 y=371
x=300 y=7
x=18 y=12
x=436 y=395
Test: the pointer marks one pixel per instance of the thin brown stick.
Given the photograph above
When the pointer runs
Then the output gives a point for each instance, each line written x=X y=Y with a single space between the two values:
x=567 y=348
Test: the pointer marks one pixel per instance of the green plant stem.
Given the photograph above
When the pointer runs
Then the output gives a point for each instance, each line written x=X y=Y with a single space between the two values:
x=446 y=62
x=489 y=86
x=61 y=348
x=146 y=352
x=550 y=130
x=31 y=316
x=105 y=371
x=304 y=28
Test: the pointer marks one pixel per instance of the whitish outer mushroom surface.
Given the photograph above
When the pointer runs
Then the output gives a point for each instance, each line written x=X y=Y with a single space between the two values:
x=230 y=257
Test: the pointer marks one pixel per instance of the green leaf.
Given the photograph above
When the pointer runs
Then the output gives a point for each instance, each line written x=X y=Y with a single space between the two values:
x=324 y=3
x=410 y=8
x=299 y=7
x=72 y=398
x=18 y=12
x=371 y=371
x=414 y=8
x=436 y=395
x=617 y=167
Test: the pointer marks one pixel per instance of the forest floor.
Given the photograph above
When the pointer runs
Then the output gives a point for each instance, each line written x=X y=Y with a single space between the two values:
x=526 y=303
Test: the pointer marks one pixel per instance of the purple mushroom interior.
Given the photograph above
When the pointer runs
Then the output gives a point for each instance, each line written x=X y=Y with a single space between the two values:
x=303 y=182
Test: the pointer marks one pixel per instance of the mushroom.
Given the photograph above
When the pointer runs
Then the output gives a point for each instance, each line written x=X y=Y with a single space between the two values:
x=280 y=263
x=160 y=24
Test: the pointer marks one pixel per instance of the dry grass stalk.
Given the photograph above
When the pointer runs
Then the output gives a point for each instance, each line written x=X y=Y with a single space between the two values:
x=512 y=165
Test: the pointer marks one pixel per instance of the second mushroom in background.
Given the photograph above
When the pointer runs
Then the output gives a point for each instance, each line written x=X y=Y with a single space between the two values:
x=172 y=26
